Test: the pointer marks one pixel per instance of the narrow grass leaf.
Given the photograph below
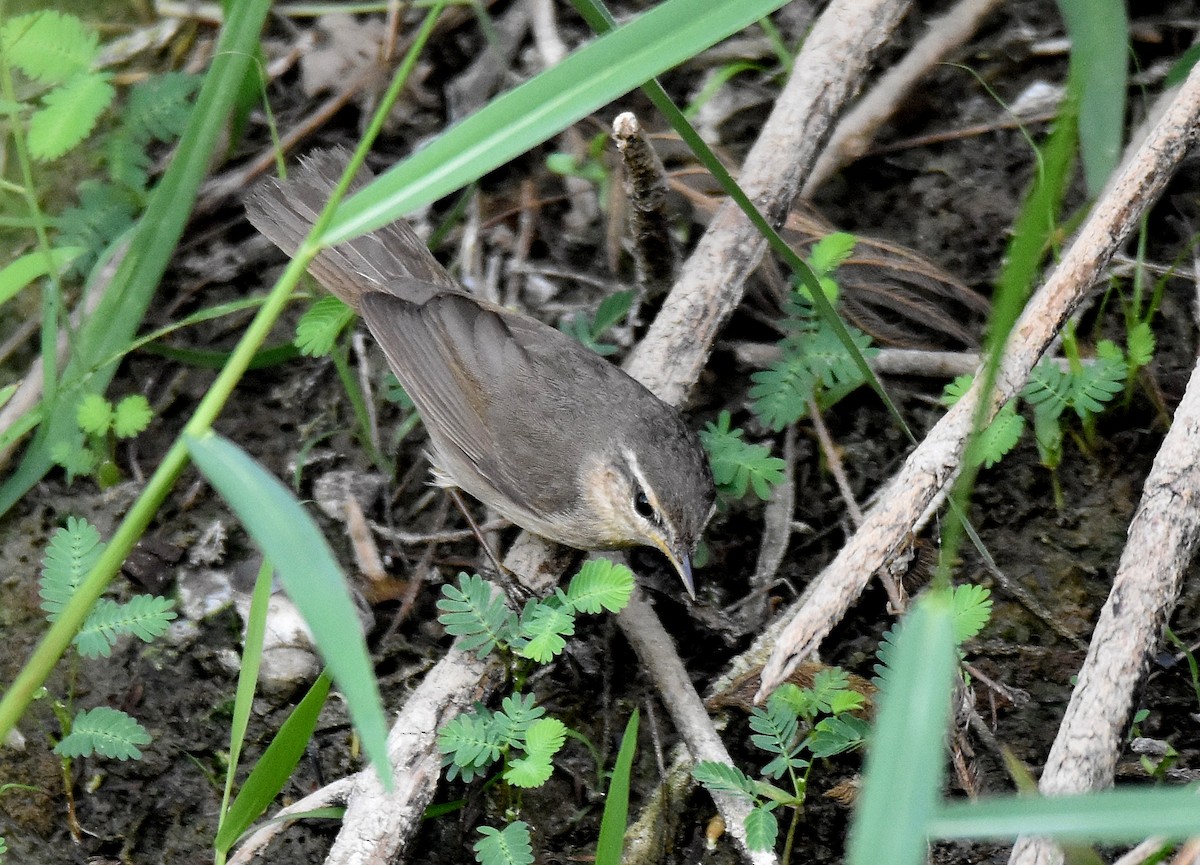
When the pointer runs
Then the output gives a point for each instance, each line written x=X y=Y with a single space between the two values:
x=274 y=767
x=1039 y=213
x=288 y=536
x=1099 y=31
x=616 y=805
x=1108 y=817
x=34 y=265
x=903 y=777
x=524 y=117
x=243 y=701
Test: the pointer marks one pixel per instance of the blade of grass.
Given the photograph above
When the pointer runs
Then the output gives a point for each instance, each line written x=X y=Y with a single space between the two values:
x=290 y=539
x=1099 y=31
x=902 y=782
x=1037 y=220
x=524 y=117
x=256 y=628
x=1109 y=817
x=616 y=805
x=34 y=265
x=273 y=768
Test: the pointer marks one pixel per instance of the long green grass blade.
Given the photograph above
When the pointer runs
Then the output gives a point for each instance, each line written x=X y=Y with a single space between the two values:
x=1037 y=220
x=256 y=628
x=1107 y=817
x=274 y=767
x=1099 y=31
x=524 y=117
x=288 y=537
x=616 y=806
x=902 y=782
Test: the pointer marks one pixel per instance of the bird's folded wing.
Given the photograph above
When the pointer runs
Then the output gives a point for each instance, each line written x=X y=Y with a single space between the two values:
x=450 y=355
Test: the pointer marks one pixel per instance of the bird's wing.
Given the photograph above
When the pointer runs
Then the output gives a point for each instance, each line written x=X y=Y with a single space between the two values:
x=452 y=356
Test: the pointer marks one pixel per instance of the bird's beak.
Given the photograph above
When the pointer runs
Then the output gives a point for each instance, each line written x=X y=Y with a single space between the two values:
x=682 y=561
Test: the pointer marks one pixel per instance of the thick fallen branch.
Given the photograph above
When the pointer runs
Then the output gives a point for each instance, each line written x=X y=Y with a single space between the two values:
x=1162 y=540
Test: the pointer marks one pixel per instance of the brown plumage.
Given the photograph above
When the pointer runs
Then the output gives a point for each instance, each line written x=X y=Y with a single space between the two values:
x=520 y=415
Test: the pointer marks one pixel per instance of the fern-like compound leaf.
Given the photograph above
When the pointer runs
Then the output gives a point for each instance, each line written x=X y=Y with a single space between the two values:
x=319 y=327
x=508 y=846
x=543 y=630
x=159 y=107
x=1000 y=436
x=474 y=611
x=69 y=557
x=738 y=465
x=104 y=731
x=517 y=712
x=469 y=743
x=836 y=735
x=68 y=115
x=143 y=616
x=762 y=828
x=723 y=778
x=600 y=585
x=48 y=46
x=972 y=608
x=543 y=740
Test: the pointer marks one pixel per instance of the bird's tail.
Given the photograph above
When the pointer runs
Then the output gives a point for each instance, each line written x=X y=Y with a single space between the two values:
x=285 y=210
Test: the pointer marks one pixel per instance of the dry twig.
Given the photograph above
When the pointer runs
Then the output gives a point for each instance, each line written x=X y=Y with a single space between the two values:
x=856 y=129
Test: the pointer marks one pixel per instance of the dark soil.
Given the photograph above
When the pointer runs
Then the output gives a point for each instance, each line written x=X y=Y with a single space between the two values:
x=953 y=202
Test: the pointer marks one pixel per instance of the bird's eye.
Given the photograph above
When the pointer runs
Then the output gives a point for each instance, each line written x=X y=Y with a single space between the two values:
x=642 y=505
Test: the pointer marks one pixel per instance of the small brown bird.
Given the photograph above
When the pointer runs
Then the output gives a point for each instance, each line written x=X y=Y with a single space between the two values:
x=520 y=415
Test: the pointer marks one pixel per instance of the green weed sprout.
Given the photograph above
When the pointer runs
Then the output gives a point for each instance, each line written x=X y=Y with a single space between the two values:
x=102 y=424
x=1083 y=388
x=69 y=556
x=814 y=362
x=802 y=725
x=589 y=167
x=517 y=736
x=590 y=329
x=799 y=726
x=971 y=608
x=737 y=465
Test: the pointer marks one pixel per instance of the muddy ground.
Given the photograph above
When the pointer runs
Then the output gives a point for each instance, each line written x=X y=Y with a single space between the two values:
x=953 y=201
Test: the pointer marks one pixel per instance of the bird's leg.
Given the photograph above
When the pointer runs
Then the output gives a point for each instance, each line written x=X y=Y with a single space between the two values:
x=512 y=585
